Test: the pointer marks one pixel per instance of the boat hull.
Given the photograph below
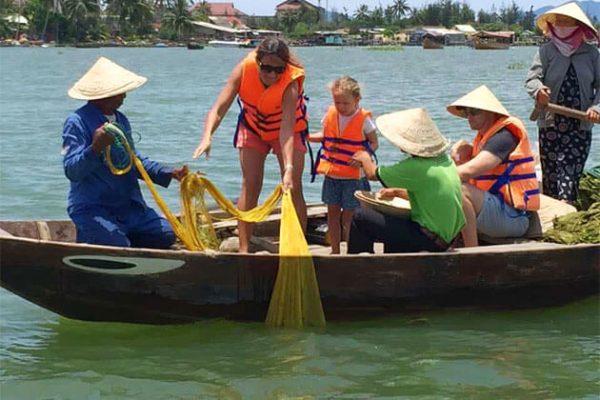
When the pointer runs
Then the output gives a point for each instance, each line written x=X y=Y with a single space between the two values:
x=99 y=283
x=490 y=45
x=430 y=44
x=225 y=43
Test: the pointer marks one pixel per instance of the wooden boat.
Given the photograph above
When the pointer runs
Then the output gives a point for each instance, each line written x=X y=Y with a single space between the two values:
x=492 y=40
x=432 y=43
x=194 y=46
x=226 y=43
x=41 y=263
x=250 y=43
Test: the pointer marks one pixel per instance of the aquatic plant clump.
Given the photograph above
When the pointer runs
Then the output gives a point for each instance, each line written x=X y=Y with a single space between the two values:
x=589 y=189
x=582 y=226
x=517 y=65
x=384 y=48
x=577 y=227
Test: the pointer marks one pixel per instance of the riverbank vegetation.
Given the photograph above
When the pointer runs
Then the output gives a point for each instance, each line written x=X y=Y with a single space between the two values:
x=122 y=22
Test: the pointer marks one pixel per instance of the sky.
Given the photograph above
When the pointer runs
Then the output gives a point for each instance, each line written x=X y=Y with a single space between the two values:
x=267 y=7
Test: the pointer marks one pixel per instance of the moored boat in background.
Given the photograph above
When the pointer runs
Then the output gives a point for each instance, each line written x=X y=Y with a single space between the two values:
x=226 y=43
x=194 y=46
x=432 y=42
x=484 y=40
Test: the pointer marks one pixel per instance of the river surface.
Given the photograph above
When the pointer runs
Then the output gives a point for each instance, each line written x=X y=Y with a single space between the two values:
x=527 y=354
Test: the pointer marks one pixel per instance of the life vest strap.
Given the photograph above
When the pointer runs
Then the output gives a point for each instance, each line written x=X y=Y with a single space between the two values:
x=518 y=161
x=516 y=177
x=346 y=141
x=320 y=156
x=338 y=150
x=333 y=160
x=506 y=177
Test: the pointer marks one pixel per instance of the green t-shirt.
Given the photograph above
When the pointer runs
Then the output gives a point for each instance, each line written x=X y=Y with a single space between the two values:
x=434 y=190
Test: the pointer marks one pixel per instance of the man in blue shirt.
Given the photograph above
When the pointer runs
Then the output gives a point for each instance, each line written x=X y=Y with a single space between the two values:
x=109 y=209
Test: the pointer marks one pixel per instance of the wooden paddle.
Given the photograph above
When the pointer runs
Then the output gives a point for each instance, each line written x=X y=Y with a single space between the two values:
x=556 y=109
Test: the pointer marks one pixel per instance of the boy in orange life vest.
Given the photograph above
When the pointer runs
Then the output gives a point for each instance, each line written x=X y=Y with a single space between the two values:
x=347 y=128
x=497 y=171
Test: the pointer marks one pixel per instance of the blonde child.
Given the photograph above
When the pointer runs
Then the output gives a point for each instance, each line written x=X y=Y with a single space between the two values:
x=347 y=128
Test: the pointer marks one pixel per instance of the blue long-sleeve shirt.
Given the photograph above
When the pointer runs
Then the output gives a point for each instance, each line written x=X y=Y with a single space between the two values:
x=92 y=183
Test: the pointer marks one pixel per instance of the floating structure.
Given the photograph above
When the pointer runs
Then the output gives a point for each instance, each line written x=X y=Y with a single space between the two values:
x=484 y=40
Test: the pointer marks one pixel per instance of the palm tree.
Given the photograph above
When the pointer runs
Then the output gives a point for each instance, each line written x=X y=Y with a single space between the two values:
x=362 y=13
x=399 y=9
x=134 y=15
x=54 y=7
x=289 y=20
x=178 y=18
x=79 y=11
x=201 y=11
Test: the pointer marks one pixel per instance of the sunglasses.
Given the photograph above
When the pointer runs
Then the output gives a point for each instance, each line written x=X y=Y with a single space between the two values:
x=468 y=111
x=266 y=68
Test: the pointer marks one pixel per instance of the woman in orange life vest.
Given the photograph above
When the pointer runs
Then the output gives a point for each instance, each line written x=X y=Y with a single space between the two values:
x=269 y=82
x=499 y=182
x=347 y=128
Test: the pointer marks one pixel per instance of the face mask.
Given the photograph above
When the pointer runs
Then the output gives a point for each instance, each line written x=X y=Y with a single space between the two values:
x=567 y=39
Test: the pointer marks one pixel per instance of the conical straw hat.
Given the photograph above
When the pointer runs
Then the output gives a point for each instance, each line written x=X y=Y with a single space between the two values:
x=570 y=10
x=105 y=79
x=413 y=131
x=481 y=98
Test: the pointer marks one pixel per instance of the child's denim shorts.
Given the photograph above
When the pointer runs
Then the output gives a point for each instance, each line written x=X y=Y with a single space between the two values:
x=341 y=191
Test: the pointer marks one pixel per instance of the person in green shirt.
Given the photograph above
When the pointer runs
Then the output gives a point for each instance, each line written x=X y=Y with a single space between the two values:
x=428 y=179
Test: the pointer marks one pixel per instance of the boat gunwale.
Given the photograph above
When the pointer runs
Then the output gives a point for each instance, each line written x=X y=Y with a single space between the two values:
x=469 y=251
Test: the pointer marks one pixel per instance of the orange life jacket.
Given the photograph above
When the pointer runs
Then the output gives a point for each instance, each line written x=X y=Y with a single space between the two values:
x=261 y=106
x=339 y=146
x=515 y=177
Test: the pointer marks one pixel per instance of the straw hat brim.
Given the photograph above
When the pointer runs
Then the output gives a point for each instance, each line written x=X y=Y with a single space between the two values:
x=481 y=98
x=413 y=132
x=105 y=79
x=395 y=206
x=571 y=10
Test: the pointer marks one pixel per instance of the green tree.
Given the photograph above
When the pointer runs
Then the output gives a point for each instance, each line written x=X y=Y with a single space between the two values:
x=399 y=9
x=511 y=14
x=362 y=14
x=84 y=16
x=301 y=30
x=178 y=18
x=528 y=21
x=389 y=33
x=377 y=16
x=466 y=14
x=201 y=11
x=134 y=16
x=288 y=21
x=7 y=7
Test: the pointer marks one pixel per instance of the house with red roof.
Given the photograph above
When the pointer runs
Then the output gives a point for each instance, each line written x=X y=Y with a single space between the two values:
x=225 y=14
x=294 y=6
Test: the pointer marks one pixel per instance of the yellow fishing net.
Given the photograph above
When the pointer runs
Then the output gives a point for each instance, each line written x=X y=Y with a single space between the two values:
x=295 y=301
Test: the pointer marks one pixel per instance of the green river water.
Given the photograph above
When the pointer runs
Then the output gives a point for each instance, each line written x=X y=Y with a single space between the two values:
x=551 y=353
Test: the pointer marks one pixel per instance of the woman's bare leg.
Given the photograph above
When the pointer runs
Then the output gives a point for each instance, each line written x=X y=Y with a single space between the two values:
x=253 y=165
